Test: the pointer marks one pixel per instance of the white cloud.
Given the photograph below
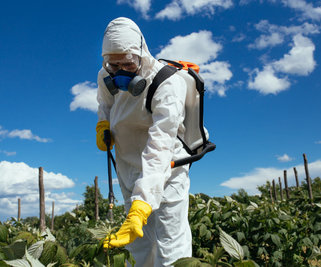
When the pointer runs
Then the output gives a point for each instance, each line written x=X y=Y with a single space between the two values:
x=142 y=6
x=307 y=9
x=318 y=142
x=199 y=48
x=28 y=135
x=266 y=82
x=178 y=8
x=239 y=38
x=18 y=180
x=215 y=75
x=275 y=35
x=249 y=181
x=265 y=41
x=8 y=153
x=245 y=2
x=300 y=59
x=85 y=95
x=284 y=158
x=173 y=11
x=3 y=132
x=22 y=134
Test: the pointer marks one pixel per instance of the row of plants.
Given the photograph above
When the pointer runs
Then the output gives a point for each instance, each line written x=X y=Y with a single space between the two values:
x=241 y=230
x=23 y=246
x=284 y=233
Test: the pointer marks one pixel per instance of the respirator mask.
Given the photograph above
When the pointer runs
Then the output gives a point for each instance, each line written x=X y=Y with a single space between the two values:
x=122 y=69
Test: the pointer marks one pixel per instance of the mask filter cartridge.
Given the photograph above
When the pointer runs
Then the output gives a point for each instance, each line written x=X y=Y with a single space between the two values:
x=125 y=81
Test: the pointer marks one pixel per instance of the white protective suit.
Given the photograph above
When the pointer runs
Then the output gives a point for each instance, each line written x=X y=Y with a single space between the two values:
x=145 y=144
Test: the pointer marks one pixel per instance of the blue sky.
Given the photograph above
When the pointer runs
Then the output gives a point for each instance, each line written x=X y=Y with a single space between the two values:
x=259 y=58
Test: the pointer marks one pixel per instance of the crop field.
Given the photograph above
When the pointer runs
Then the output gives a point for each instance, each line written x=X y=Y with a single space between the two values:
x=237 y=230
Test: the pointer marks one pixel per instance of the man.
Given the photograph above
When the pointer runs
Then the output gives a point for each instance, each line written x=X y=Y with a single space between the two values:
x=156 y=230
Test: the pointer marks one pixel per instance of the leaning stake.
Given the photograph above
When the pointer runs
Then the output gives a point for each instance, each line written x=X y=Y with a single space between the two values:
x=42 y=201
x=308 y=177
x=286 y=185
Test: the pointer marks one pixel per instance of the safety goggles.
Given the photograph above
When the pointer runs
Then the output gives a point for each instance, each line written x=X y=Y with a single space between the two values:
x=115 y=62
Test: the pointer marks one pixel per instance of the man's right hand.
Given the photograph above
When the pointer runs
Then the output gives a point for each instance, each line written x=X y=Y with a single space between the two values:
x=100 y=128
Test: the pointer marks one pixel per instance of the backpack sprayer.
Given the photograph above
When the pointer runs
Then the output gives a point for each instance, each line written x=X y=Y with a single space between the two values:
x=195 y=140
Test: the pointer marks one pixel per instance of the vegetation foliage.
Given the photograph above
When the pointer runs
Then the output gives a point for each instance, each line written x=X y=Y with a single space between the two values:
x=240 y=230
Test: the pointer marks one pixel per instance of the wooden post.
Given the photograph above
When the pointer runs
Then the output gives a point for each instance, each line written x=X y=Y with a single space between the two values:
x=286 y=185
x=19 y=209
x=53 y=216
x=281 y=190
x=274 y=190
x=308 y=178
x=271 y=196
x=96 y=199
x=296 y=177
x=42 y=225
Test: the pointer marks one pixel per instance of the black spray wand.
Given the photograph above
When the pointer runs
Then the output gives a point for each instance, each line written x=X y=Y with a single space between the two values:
x=111 y=197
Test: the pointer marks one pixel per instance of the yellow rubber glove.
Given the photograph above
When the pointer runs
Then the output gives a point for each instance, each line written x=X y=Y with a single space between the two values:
x=100 y=128
x=132 y=227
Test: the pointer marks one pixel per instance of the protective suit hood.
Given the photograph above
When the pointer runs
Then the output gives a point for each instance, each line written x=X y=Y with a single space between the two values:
x=121 y=36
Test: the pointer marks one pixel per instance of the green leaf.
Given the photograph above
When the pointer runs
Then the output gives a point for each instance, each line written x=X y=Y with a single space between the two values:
x=2 y=256
x=277 y=256
x=254 y=204
x=246 y=251
x=48 y=235
x=314 y=239
x=61 y=255
x=208 y=235
x=229 y=199
x=198 y=215
x=276 y=240
x=206 y=220
x=33 y=262
x=18 y=263
x=261 y=251
x=3 y=264
x=227 y=215
x=29 y=237
x=130 y=258
x=316 y=252
x=16 y=250
x=101 y=232
x=231 y=246
x=3 y=233
x=49 y=252
x=240 y=236
x=189 y=262
x=307 y=242
x=247 y=263
x=218 y=253
x=266 y=236
x=36 y=249
x=317 y=227
x=119 y=260
x=97 y=263
x=284 y=217
x=250 y=208
x=84 y=251
x=203 y=230
x=223 y=264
